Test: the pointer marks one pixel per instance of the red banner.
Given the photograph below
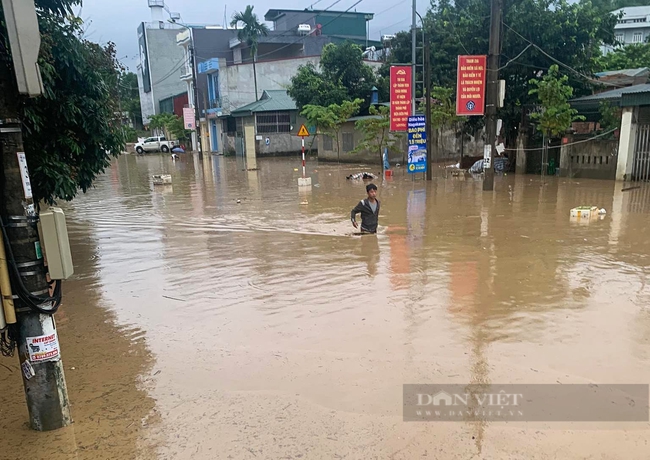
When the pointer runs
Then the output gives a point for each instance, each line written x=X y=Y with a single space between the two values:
x=400 y=97
x=470 y=89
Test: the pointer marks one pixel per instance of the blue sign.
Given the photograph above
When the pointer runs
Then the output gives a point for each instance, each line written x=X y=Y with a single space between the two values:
x=417 y=144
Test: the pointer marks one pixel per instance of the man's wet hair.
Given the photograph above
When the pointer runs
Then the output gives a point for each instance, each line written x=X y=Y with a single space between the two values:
x=370 y=187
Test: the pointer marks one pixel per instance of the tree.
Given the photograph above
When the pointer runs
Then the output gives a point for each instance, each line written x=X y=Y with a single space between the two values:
x=309 y=86
x=376 y=130
x=171 y=124
x=72 y=130
x=130 y=97
x=250 y=34
x=443 y=114
x=330 y=119
x=534 y=33
x=343 y=76
x=553 y=95
x=627 y=57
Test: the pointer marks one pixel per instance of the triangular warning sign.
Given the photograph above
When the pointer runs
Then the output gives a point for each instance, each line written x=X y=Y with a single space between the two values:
x=303 y=131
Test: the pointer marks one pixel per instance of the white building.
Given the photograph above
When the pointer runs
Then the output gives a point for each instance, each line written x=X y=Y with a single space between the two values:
x=633 y=27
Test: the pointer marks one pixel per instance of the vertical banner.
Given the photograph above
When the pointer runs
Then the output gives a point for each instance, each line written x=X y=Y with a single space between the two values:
x=400 y=97
x=144 y=58
x=470 y=88
x=417 y=143
x=188 y=118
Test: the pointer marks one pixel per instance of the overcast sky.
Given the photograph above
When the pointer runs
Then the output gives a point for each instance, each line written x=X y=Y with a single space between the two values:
x=117 y=20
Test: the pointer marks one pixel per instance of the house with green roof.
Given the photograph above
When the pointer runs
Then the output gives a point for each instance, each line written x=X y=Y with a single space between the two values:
x=268 y=126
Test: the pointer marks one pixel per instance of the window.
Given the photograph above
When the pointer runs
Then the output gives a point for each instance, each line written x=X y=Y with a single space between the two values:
x=230 y=126
x=328 y=143
x=638 y=37
x=620 y=38
x=273 y=122
x=348 y=142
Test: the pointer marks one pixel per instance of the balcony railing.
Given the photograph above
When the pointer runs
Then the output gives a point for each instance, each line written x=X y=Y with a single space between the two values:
x=160 y=3
x=214 y=103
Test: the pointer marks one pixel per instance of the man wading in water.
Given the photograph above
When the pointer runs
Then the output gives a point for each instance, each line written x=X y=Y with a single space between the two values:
x=369 y=209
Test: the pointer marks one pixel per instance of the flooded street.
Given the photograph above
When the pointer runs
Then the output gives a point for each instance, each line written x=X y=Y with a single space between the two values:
x=229 y=316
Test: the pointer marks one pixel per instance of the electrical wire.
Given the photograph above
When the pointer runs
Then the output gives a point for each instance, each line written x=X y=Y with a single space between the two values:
x=34 y=302
x=565 y=145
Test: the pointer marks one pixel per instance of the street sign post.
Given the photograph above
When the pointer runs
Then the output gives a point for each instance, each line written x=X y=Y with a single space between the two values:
x=303 y=181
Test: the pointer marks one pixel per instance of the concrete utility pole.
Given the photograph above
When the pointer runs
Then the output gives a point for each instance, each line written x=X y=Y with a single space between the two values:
x=197 y=115
x=492 y=91
x=43 y=377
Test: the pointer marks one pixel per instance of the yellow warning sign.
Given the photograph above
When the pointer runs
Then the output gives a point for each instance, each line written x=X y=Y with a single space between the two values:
x=303 y=131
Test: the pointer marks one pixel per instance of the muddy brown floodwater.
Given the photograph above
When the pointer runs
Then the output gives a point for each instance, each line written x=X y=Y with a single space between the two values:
x=224 y=318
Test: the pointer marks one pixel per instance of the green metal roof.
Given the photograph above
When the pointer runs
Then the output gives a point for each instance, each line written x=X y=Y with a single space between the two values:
x=623 y=97
x=271 y=101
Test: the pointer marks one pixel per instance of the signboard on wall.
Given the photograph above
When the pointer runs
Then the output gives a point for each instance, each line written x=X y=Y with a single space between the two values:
x=188 y=118
x=470 y=87
x=400 y=97
x=144 y=58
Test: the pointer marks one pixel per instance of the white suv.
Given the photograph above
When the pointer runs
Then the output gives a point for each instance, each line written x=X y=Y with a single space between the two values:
x=155 y=144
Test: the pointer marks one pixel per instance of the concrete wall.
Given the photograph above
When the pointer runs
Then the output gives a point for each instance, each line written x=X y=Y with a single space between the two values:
x=237 y=85
x=165 y=67
x=595 y=159
x=628 y=34
x=449 y=148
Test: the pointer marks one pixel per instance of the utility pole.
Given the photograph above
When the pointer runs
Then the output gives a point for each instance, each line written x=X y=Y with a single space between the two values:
x=427 y=92
x=413 y=54
x=43 y=378
x=492 y=93
x=195 y=106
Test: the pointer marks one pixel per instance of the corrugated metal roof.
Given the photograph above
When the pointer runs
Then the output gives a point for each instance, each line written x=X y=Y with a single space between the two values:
x=271 y=101
x=626 y=72
x=633 y=12
x=620 y=96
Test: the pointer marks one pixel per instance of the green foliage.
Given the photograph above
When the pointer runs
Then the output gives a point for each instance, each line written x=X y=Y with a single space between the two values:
x=309 y=86
x=443 y=108
x=627 y=57
x=130 y=97
x=74 y=128
x=553 y=94
x=343 y=76
x=376 y=130
x=171 y=124
x=252 y=30
x=329 y=119
x=571 y=32
x=610 y=117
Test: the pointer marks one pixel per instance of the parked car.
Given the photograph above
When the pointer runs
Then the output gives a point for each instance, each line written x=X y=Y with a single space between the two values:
x=154 y=144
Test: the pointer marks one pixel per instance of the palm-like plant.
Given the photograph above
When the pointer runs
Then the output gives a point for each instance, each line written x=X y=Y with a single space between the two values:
x=250 y=33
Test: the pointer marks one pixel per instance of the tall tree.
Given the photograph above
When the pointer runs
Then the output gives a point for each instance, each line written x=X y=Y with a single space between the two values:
x=250 y=34
x=536 y=33
x=130 y=97
x=72 y=130
x=343 y=76
x=627 y=57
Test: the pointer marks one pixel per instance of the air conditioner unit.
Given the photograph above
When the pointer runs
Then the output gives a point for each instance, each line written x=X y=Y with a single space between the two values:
x=304 y=29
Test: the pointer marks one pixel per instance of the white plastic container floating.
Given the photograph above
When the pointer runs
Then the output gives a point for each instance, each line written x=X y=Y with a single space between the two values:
x=585 y=213
x=162 y=179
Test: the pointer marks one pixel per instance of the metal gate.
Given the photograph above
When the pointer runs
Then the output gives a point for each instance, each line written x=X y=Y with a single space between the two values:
x=641 y=165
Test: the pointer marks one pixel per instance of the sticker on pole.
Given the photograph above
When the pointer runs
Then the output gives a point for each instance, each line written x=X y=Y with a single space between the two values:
x=43 y=348
x=302 y=132
x=24 y=174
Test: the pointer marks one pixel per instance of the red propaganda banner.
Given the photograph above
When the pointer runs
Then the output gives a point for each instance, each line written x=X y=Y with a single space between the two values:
x=470 y=90
x=400 y=97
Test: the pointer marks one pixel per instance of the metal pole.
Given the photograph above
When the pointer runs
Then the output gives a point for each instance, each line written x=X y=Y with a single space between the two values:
x=492 y=90
x=413 y=55
x=195 y=106
x=427 y=91
x=303 y=156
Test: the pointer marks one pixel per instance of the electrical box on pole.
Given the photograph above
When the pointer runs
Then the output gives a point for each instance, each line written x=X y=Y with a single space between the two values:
x=25 y=41
x=56 y=244
x=502 y=94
